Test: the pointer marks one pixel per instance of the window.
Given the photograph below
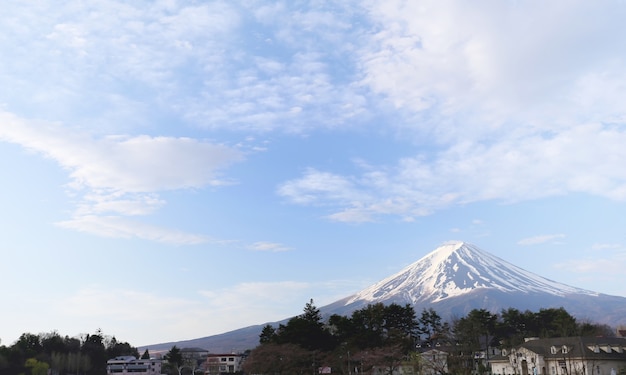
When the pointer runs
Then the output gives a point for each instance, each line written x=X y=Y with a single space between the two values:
x=564 y=349
x=553 y=349
x=231 y=359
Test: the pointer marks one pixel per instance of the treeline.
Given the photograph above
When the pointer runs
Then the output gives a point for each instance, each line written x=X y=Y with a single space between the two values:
x=388 y=336
x=51 y=353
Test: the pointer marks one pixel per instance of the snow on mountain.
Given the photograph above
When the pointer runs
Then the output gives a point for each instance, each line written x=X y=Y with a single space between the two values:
x=455 y=269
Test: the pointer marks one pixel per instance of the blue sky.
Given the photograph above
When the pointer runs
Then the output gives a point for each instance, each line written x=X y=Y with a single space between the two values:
x=177 y=169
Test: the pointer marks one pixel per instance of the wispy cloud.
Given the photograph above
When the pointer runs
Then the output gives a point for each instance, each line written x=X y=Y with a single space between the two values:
x=113 y=61
x=120 y=176
x=512 y=121
x=216 y=310
x=122 y=227
x=536 y=240
x=269 y=246
x=608 y=246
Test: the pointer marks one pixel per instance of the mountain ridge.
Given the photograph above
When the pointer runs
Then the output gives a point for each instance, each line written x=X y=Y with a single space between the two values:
x=453 y=279
x=431 y=277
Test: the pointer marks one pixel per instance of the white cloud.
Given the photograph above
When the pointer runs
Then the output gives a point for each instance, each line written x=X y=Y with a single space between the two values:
x=123 y=163
x=121 y=227
x=470 y=71
x=317 y=186
x=219 y=65
x=589 y=266
x=123 y=175
x=275 y=299
x=514 y=106
x=517 y=105
x=607 y=246
x=506 y=170
x=268 y=246
x=178 y=317
x=536 y=240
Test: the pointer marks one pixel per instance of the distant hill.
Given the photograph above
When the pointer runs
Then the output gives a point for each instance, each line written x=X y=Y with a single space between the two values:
x=453 y=279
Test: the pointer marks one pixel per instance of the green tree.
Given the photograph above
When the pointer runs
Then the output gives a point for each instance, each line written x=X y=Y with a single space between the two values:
x=115 y=348
x=268 y=334
x=174 y=358
x=400 y=324
x=37 y=367
x=27 y=346
x=368 y=326
x=145 y=355
x=556 y=323
x=378 y=325
x=431 y=326
x=473 y=333
x=306 y=330
x=93 y=347
x=513 y=326
x=272 y=358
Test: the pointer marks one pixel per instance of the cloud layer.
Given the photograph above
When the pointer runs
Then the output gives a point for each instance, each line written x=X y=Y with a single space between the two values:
x=121 y=176
x=521 y=102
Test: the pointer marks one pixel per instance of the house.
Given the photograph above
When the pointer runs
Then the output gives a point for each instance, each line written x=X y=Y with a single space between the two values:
x=223 y=363
x=129 y=365
x=563 y=356
x=434 y=361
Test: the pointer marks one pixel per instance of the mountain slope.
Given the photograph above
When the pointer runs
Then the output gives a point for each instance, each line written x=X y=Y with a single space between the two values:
x=458 y=273
x=454 y=279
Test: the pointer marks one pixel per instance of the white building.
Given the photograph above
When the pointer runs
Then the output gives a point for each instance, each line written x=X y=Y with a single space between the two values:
x=129 y=365
x=563 y=356
x=223 y=363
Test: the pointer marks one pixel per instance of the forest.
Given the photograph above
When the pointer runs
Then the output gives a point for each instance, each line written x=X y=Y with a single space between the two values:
x=389 y=336
x=45 y=353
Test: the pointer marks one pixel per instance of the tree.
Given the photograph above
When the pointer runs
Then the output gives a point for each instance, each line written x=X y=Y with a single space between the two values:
x=400 y=326
x=557 y=323
x=306 y=330
x=174 y=359
x=27 y=346
x=268 y=334
x=93 y=347
x=36 y=367
x=473 y=333
x=115 y=348
x=368 y=326
x=272 y=358
x=513 y=326
x=145 y=355
x=431 y=326
x=311 y=313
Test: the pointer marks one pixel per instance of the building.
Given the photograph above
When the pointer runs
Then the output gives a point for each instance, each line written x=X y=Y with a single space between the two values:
x=129 y=365
x=223 y=363
x=194 y=358
x=563 y=356
x=434 y=361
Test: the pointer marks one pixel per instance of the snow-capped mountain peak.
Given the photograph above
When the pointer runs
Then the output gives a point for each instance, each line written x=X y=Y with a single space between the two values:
x=453 y=279
x=458 y=268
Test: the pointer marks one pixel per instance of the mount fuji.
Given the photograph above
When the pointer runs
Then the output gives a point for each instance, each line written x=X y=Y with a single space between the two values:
x=458 y=277
x=454 y=279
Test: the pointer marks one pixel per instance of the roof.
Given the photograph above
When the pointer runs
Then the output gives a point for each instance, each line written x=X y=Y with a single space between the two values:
x=580 y=347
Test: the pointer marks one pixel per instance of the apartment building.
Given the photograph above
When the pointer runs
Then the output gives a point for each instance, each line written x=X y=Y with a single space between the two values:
x=223 y=363
x=129 y=365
